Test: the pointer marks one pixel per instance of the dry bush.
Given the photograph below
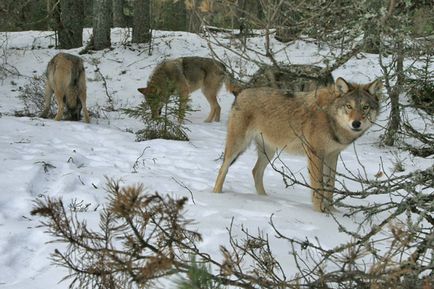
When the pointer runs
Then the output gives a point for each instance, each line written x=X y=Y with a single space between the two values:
x=141 y=237
x=144 y=237
x=32 y=96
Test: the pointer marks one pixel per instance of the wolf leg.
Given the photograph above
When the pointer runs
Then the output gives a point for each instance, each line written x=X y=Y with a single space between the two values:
x=265 y=154
x=183 y=101
x=60 y=104
x=214 y=114
x=184 y=93
x=47 y=100
x=211 y=86
x=236 y=142
x=232 y=151
x=218 y=186
x=82 y=96
x=315 y=167
x=330 y=163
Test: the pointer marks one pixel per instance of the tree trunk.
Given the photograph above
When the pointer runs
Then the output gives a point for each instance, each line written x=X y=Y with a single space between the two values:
x=176 y=15
x=239 y=15
x=118 y=13
x=193 y=15
x=286 y=20
x=102 y=20
x=371 y=39
x=141 y=22
x=69 y=24
x=394 y=123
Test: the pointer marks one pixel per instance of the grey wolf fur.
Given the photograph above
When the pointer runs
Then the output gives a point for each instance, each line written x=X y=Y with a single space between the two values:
x=319 y=124
x=182 y=76
x=67 y=80
x=292 y=77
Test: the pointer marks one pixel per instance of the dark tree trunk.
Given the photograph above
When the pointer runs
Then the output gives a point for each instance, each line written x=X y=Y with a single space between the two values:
x=194 y=17
x=177 y=20
x=371 y=33
x=102 y=20
x=141 y=22
x=239 y=15
x=287 y=21
x=371 y=39
x=69 y=23
x=119 y=19
x=394 y=123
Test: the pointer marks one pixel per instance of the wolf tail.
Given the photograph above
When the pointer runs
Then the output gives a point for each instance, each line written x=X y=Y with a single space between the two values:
x=232 y=85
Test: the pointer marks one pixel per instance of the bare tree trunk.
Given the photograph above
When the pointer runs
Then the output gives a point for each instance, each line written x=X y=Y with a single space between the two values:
x=194 y=21
x=390 y=135
x=371 y=38
x=394 y=123
x=141 y=22
x=69 y=24
x=102 y=20
x=287 y=22
x=177 y=13
x=240 y=15
x=118 y=13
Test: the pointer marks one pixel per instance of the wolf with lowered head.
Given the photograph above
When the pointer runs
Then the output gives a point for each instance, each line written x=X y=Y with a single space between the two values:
x=67 y=80
x=182 y=76
x=319 y=124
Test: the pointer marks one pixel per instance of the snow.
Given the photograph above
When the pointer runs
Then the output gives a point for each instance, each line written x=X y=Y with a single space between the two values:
x=42 y=157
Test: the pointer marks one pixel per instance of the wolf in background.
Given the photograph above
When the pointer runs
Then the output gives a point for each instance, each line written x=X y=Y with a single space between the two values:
x=67 y=79
x=291 y=77
x=182 y=76
x=319 y=124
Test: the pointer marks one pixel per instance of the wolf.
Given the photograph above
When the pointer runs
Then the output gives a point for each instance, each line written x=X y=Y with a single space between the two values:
x=291 y=77
x=319 y=124
x=182 y=76
x=66 y=78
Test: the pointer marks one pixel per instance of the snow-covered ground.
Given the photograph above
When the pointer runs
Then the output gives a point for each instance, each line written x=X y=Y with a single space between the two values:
x=81 y=156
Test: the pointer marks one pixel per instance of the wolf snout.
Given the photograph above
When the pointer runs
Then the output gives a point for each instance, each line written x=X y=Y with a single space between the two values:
x=356 y=125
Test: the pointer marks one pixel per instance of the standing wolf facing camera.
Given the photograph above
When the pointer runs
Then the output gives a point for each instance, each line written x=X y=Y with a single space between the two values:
x=67 y=80
x=319 y=124
x=183 y=76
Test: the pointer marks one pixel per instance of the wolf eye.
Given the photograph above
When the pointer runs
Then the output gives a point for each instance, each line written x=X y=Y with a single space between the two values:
x=348 y=106
x=365 y=107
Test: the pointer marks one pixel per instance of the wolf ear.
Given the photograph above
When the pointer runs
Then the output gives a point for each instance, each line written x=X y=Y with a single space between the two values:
x=375 y=88
x=143 y=90
x=342 y=86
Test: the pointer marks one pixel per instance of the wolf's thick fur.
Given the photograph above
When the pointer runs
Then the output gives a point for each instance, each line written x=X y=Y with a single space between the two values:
x=319 y=124
x=291 y=77
x=182 y=76
x=67 y=80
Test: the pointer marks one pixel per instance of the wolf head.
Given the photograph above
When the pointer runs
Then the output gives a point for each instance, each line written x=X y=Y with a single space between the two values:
x=151 y=94
x=74 y=113
x=356 y=106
